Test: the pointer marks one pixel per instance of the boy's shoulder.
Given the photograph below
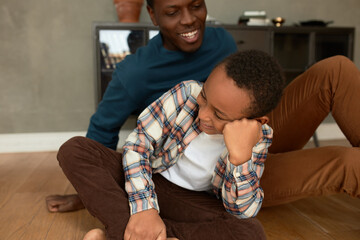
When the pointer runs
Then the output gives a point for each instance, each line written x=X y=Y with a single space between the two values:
x=187 y=88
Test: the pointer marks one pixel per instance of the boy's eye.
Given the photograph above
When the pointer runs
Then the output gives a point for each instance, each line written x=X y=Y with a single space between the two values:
x=218 y=117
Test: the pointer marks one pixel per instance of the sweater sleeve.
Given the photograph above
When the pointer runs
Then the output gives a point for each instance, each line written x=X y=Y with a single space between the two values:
x=115 y=107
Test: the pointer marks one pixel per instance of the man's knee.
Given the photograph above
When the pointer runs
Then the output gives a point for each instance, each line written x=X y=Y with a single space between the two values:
x=335 y=61
x=336 y=65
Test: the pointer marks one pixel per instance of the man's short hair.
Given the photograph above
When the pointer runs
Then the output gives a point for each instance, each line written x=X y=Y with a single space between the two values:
x=261 y=75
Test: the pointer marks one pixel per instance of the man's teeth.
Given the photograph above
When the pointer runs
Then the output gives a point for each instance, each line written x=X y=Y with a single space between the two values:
x=189 y=34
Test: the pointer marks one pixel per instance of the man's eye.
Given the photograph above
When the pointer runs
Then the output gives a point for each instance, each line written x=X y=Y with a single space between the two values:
x=171 y=13
x=197 y=5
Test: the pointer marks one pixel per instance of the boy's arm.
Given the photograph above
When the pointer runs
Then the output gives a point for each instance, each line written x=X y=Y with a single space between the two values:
x=146 y=141
x=145 y=221
x=247 y=142
x=138 y=149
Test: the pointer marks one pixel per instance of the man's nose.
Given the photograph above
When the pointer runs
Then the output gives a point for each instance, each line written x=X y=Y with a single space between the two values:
x=187 y=17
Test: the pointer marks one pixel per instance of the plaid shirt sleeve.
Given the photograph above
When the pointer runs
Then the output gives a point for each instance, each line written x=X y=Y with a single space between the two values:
x=240 y=185
x=144 y=147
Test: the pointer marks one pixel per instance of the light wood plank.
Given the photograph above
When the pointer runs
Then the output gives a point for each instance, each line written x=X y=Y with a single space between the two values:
x=283 y=223
x=27 y=178
x=328 y=214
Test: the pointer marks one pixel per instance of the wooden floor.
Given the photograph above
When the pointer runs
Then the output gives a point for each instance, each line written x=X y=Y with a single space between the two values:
x=26 y=178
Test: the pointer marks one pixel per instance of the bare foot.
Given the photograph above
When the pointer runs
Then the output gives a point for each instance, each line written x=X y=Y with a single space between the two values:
x=95 y=234
x=63 y=203
x=172 y=239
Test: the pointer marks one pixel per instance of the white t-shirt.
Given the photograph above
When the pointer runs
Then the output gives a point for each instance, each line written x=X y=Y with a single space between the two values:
x=195 y=168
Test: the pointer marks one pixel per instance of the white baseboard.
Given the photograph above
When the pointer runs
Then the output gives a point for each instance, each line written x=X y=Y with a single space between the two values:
x=35 y=142
x=329 y=131
x=39 y=142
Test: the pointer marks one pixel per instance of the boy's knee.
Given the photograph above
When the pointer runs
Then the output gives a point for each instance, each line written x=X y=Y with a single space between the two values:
x=70 y=149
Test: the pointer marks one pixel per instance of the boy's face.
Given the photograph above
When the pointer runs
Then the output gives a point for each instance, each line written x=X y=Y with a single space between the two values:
x=181 y=22
x=221 y=101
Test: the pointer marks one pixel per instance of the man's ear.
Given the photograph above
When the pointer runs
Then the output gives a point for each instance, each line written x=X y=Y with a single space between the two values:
x=152 y=15
x=263 y=120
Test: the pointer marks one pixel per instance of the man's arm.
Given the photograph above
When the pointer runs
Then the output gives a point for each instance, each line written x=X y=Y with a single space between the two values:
x=115 y=107
x=241 y=192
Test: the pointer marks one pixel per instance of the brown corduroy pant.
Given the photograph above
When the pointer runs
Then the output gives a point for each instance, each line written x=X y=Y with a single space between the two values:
x=332 y=85
x=96 y=173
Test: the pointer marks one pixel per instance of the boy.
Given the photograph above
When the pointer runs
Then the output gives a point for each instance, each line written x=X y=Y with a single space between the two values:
x=200 y=138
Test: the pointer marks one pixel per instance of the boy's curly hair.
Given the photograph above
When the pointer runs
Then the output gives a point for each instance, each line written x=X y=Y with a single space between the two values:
x=150 y=3
x=261 y=75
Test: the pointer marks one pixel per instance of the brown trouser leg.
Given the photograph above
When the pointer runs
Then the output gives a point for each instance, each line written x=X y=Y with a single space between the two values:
x=330 y=86
x=96 y=173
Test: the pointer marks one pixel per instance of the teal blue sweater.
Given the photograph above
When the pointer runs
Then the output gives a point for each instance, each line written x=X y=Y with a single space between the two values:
x=143 y=77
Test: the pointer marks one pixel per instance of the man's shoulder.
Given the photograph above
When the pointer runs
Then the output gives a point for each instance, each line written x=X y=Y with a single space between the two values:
x=218 y=32
x=220 y=39
x=136 y=65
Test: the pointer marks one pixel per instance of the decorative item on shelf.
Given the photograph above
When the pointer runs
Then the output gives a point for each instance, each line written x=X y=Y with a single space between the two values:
x=128 y=10
x=254 y=18
x=315 y=23
x=278 y=21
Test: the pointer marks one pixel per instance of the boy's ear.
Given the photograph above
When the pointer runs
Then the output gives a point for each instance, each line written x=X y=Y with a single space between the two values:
x=263 y=120
x=152 y=15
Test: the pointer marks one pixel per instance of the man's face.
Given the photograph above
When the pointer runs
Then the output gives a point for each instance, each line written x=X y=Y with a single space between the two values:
x=221 y=101
x=181 y=22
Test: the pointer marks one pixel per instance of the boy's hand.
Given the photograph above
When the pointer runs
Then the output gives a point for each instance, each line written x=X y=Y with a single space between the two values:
x=145 y=225
x=240 y=137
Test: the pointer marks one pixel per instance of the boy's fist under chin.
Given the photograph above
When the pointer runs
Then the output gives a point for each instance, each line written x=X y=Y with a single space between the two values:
x=240 y=137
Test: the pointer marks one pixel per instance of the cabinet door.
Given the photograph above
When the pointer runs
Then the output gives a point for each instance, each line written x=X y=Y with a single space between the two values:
x=331 y=44
x=251 y=39
x=292 y=50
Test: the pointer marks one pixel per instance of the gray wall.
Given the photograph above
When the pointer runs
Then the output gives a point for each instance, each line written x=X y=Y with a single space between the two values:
x=46 y=53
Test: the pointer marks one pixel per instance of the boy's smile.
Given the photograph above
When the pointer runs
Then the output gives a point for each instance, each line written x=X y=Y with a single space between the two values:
x=221 y=101
x=181 y=23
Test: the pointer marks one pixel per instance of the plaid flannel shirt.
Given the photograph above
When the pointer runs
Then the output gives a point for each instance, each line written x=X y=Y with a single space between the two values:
x=164 y=130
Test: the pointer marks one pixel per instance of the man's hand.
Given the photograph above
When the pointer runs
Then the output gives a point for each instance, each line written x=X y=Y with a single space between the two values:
x=240 y=137
x=145 y=225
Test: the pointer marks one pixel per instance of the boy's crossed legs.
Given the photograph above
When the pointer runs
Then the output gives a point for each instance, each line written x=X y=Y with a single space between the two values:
x=96 y=173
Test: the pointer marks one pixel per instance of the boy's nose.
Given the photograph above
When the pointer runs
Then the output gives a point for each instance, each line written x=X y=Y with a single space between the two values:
x=204 y=113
